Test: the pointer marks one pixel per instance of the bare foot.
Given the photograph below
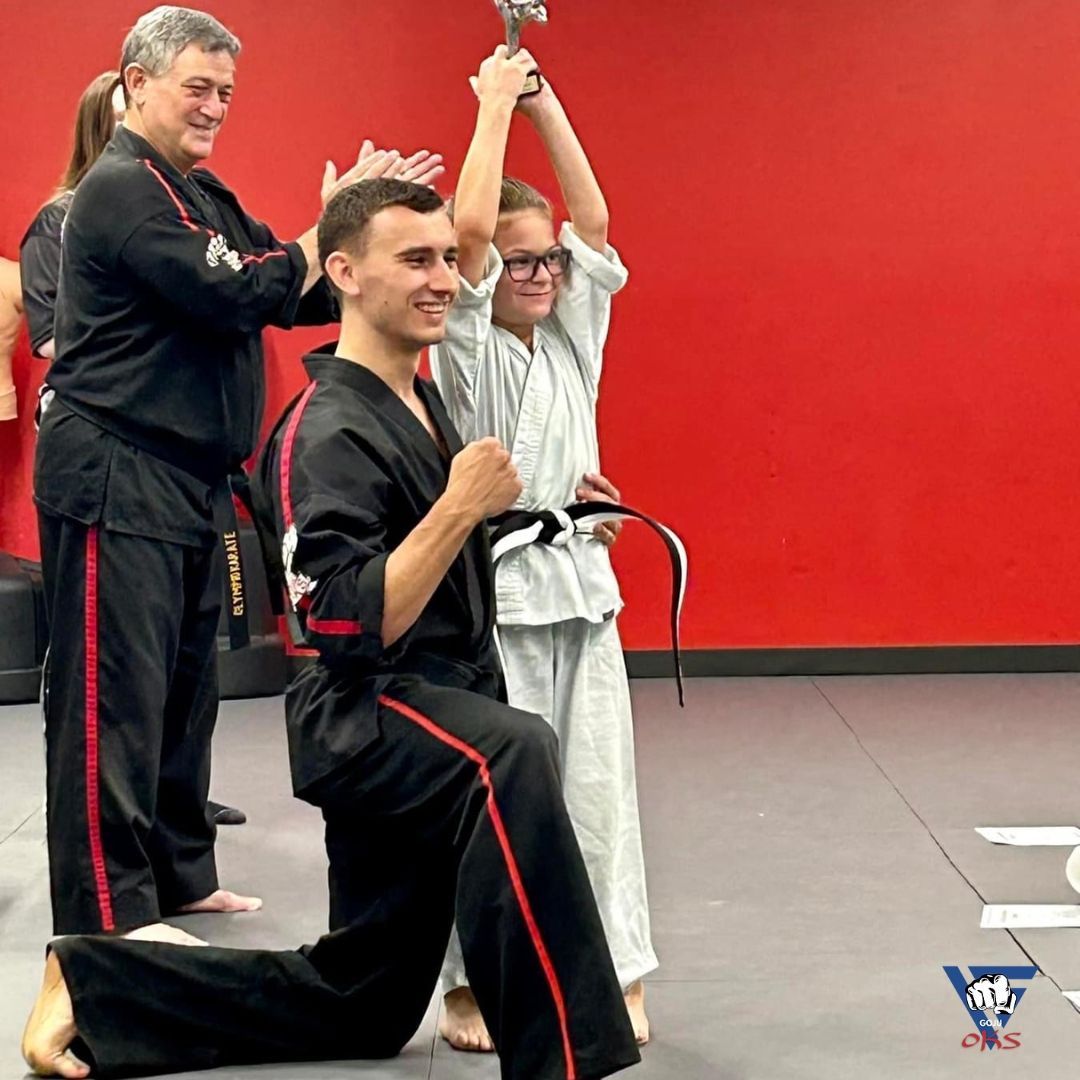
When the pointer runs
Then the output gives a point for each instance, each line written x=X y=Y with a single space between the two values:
x=461 y=1024
x=160 y=931
x=51 y=1028
x=222 y=900
x=635 y=1006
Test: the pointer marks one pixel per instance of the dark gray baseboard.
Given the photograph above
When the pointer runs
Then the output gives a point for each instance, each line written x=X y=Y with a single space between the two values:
x=264 y=669
x=916 y=660
x=20 y=687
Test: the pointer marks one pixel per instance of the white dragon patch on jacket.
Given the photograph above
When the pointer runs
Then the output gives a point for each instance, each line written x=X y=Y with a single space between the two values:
x=299 y=585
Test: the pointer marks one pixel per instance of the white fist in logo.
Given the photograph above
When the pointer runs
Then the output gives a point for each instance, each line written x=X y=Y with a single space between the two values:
x=991 y=992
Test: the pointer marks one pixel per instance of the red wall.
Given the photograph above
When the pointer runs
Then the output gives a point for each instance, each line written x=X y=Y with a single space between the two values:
x=846 y=366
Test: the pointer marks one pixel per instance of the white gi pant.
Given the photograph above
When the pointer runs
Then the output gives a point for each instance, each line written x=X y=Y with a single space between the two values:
x=573 y=674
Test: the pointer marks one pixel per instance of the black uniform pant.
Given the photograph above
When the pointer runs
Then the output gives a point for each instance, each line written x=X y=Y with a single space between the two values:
x=130 y=705
x=455 y=805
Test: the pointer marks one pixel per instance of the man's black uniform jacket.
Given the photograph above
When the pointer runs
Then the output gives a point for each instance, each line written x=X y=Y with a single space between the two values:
x=165 y=286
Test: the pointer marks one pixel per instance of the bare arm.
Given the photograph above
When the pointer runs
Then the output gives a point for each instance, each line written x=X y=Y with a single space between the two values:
x=417 y=566
x=10 y=317
x=309 y=245
x=581 y=190
x=476 y=201
x=482 y=482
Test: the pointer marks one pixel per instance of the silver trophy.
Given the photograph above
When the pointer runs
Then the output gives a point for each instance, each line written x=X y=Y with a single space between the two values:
x=515 y=14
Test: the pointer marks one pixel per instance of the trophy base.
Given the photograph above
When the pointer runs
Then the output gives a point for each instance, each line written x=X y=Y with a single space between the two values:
x=533 y=84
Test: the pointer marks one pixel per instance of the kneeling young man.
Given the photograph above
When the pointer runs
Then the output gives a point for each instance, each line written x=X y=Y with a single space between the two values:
x=438 y=797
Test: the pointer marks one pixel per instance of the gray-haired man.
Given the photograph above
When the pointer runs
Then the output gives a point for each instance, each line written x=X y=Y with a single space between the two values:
x=165 y=286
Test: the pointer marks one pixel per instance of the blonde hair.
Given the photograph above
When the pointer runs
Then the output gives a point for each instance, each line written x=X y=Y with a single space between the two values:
x=517 y=195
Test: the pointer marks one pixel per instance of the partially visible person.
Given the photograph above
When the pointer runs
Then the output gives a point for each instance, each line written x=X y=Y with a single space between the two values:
x=101 y=108
x=11 y=312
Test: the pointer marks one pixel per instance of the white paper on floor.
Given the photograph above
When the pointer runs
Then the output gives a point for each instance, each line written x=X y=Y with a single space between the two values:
x=1033 y=836
x=1073 y=997
x=1026 y=916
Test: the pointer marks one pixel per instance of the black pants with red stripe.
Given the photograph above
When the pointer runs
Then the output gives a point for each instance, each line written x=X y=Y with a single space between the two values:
x=130 y=705
x=455 y=805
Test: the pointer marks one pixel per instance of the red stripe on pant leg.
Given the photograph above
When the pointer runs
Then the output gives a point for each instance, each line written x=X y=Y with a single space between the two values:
x=93 y=805
x=511 y=863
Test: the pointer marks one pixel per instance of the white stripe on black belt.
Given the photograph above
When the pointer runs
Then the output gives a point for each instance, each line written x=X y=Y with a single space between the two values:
x=516 y=528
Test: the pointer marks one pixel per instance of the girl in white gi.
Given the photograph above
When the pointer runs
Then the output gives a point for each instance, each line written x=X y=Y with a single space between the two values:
x=521 y=361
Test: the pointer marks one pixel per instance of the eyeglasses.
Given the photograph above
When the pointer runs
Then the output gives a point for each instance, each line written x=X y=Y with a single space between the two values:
x=524 y=267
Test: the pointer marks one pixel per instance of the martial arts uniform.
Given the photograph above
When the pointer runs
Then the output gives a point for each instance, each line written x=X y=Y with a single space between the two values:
x=556 y=605
x=165 y=285
x=437 y=797
x=39 y=262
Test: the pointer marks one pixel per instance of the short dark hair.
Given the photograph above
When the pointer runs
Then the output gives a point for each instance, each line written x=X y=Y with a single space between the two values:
x=347 y=214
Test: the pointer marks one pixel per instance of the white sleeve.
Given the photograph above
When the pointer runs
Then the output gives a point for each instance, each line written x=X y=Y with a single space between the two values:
x=584 y=304
x=457 y=361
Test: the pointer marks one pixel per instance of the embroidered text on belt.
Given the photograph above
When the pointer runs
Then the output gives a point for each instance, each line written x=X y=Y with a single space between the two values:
x=227 y=528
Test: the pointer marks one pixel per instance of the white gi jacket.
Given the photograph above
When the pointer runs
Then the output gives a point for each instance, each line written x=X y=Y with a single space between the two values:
x=542 y=407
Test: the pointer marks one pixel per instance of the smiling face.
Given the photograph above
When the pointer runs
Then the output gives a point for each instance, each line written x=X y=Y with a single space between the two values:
x=524 y=303
x=403 y=280
x=181 y=111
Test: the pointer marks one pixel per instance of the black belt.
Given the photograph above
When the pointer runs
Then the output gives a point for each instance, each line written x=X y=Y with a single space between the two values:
x=516 y=528
x=228 y=532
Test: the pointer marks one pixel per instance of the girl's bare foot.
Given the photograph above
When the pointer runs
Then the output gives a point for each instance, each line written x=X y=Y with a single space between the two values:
x=635 y=1006
x=222 y=900
x=51 y=1028
x=461 y=1024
